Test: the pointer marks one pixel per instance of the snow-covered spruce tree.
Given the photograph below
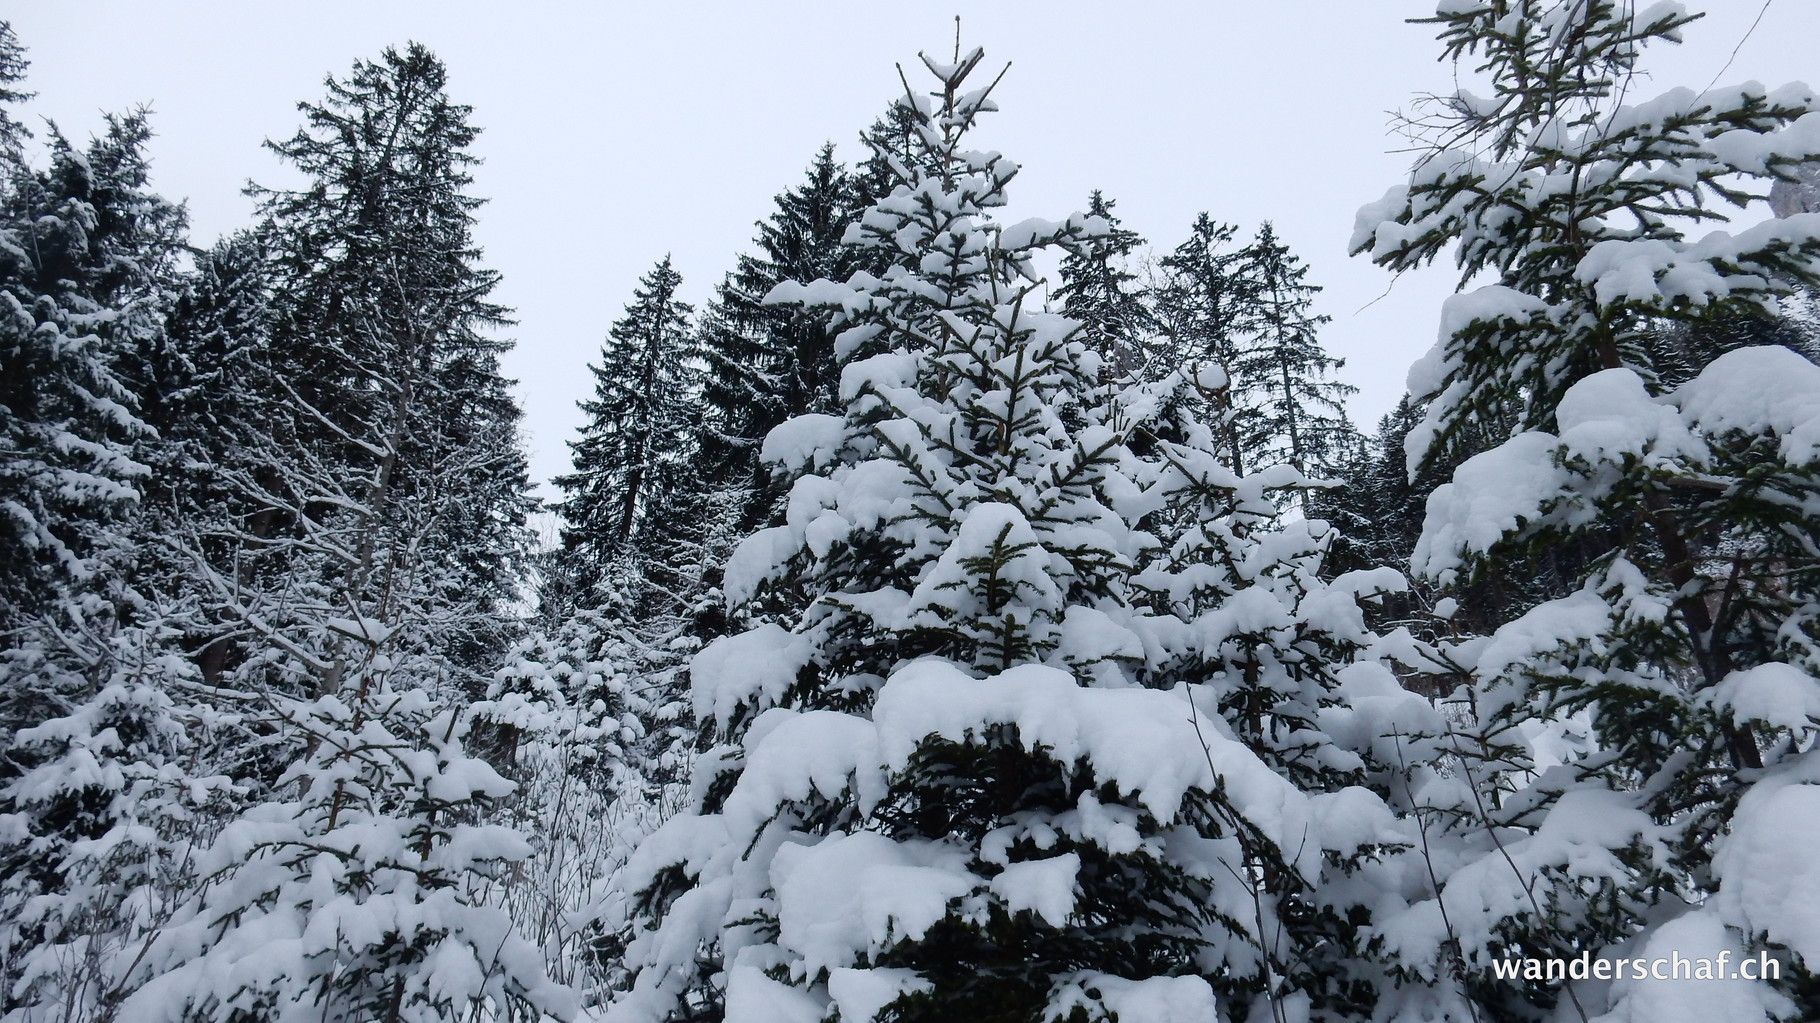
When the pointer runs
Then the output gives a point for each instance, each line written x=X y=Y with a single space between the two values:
x=634 y=450
x=87 y=261
x=1032 y=727
x=361 y=577
x=1097 y=289
x=382 y=368
x=1201 y=299
x=1294 y=411
x=1641 y=778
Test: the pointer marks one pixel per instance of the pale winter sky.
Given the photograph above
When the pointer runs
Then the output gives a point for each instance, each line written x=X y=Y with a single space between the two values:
x=617 y=132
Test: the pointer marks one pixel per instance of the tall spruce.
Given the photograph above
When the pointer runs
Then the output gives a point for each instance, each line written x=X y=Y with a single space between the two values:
x=93 y=798
x=1030 y=726
x=379 y=465
x=13 y=65
x=1097 y=289
x=765 y=363
x=632 y=461
x=1201 y=302
x=1293 y=410
x=88 y=264
x=1673 y=689
x=362 y=578
x=770 y=363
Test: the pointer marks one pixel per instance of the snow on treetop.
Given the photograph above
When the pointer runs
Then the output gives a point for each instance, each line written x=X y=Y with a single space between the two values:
x=1700 y=934
x=852 y=894
x=1661 y=274
x=804 y=440
x=1610 y=414
x=761 y=662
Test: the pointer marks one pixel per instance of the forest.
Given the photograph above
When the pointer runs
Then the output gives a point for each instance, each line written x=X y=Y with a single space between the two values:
x=952 y=619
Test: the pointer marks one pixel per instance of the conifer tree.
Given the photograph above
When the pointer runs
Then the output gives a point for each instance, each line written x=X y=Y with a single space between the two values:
x=1377 y=510
x=99 y=832
x=1201 y=303
x=1097 y=290
x=361 y=575
x=86 y=267
x=1030 y=726
x=360 y=898
x=13 y=64
x=1674 y=686
x=198 y=388
x=769 y=363
x=1294 y=412
x=765 y=364
x=381 y=467
x=634 y=451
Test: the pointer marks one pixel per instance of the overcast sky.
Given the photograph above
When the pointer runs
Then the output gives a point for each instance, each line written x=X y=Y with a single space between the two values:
x=617 y=132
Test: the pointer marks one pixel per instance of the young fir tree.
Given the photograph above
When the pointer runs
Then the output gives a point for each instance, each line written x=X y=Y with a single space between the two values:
x=1097 y=290
x=633 y=457
x=1032 y=727
x=596 y=751
x=1292 y=410
x=1674 y=690
x=362 y=896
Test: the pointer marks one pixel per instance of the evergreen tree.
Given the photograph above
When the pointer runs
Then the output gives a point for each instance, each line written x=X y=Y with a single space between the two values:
x=98 y=834
x=361 y=898
x=1378 y=509
x=13 y=64
x=1674 y=686
x=1201 y=303
x=1293 y=412
x=361 y=575
x=1031 y=726
x=634 y=452
x=769 y=363
x=380 y=469
x=198 y=387
x=1096 y=289
x=85 y=270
